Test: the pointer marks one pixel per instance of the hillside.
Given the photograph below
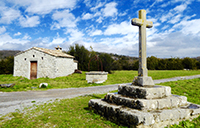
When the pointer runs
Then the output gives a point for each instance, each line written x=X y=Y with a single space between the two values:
x=7 y=53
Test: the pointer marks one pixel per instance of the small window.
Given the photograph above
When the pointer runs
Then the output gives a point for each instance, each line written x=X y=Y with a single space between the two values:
x=33 y=55
x=24 y=58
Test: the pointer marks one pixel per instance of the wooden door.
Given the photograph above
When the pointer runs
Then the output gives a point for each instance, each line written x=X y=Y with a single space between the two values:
x=33 y=70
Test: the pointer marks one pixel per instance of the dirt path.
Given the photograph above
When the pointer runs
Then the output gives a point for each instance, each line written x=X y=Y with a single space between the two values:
x=10 y=101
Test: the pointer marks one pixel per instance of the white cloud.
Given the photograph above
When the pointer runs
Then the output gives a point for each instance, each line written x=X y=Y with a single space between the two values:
x=165 y=27
x=122 y=14
x=87 y=16
x=8 y=15
x=96 y=32
x=29 y=21
x=17 y=34
x=165 y=4
x=2 y=29
x=6 y=38
x=44 y=6
x=97 y=14
x=180 y=8
x=122 y=28
x=135 y=2
x=175 y=19
x=96 y=7
x=57 y=40
x=165 y=17
x=75 y=34
x=176 y=44
x=26 y=36
x=174 y=14
x=87 y=2
x=64 y=19
x=124 y=45
x=99 y=20
x=189 y=27
x=157 y=1
x=110 y=9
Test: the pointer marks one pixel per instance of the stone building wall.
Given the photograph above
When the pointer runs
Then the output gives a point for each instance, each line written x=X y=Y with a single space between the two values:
x=65 y=66
x=45 y=64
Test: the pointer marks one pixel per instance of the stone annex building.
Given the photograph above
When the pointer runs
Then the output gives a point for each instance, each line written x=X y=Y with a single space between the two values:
x=40 y=62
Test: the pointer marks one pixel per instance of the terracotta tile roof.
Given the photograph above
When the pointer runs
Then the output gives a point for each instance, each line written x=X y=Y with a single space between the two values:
x=56 y=53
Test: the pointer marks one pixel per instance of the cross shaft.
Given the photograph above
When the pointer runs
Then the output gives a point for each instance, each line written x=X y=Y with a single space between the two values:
x=142 y=23
x=142 y=78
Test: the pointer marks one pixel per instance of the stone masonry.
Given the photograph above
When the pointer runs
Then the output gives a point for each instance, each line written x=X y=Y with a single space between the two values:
x=142 y=79
x=144 y=107
x=96 y=76
x=143 y=104
x=50 y=63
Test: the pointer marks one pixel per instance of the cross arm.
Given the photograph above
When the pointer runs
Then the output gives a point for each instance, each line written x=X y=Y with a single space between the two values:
x=140 y=22
x=149 y=24
x=136 y=22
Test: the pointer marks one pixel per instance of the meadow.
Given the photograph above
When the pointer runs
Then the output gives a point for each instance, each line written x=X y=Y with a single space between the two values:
x=79 y=80
x=75 y=113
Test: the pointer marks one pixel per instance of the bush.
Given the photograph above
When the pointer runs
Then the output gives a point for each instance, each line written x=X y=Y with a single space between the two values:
x=7 y=65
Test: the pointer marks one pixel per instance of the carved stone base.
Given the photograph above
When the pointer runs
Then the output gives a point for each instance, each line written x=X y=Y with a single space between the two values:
x=143 y=81
x=144 y=107
x=121 y=114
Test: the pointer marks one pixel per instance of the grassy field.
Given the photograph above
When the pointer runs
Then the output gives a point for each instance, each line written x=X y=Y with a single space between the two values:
x=74 y=112
x=79 y=80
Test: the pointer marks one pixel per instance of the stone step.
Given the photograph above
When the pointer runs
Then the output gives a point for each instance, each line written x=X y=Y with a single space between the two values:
x=173 y=101
x=143 y=119
x=148 y=92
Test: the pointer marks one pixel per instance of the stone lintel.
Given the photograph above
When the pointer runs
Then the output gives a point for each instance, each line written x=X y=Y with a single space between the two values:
x=143 y=81
x=147 y=105
x=147 y=92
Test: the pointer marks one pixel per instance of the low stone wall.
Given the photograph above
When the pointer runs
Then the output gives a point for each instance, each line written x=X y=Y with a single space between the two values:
x=96 y=77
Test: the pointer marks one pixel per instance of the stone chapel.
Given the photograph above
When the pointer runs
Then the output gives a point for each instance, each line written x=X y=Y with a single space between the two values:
x=40 y=62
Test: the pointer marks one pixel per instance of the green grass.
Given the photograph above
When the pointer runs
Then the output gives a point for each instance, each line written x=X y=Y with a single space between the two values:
x=64 y=113
x=79 y=80
x=190 y=89
x=74 y=112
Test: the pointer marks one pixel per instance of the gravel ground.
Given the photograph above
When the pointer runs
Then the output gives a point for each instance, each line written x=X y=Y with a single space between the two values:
x=12 y=101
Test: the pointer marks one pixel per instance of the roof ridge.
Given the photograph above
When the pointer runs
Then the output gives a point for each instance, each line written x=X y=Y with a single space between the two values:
x=50 y=52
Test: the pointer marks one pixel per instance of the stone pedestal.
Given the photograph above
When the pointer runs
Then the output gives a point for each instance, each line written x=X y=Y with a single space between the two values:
x=143 y=81
x=96 y=77
x=144 y=107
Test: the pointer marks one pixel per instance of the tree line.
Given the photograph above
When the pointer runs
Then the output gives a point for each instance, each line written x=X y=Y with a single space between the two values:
x=154 y=63
x=115 y=62
x=95 y=61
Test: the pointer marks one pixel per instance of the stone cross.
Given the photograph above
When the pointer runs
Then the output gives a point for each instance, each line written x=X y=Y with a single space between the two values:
x=142 y=78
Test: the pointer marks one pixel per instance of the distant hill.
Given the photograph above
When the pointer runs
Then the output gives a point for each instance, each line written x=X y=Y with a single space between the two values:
x=117 y=57
x=197 y=58
x=7 y=53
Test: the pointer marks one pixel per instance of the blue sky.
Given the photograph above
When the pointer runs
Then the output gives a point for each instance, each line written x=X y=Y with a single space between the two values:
x=103 y=24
